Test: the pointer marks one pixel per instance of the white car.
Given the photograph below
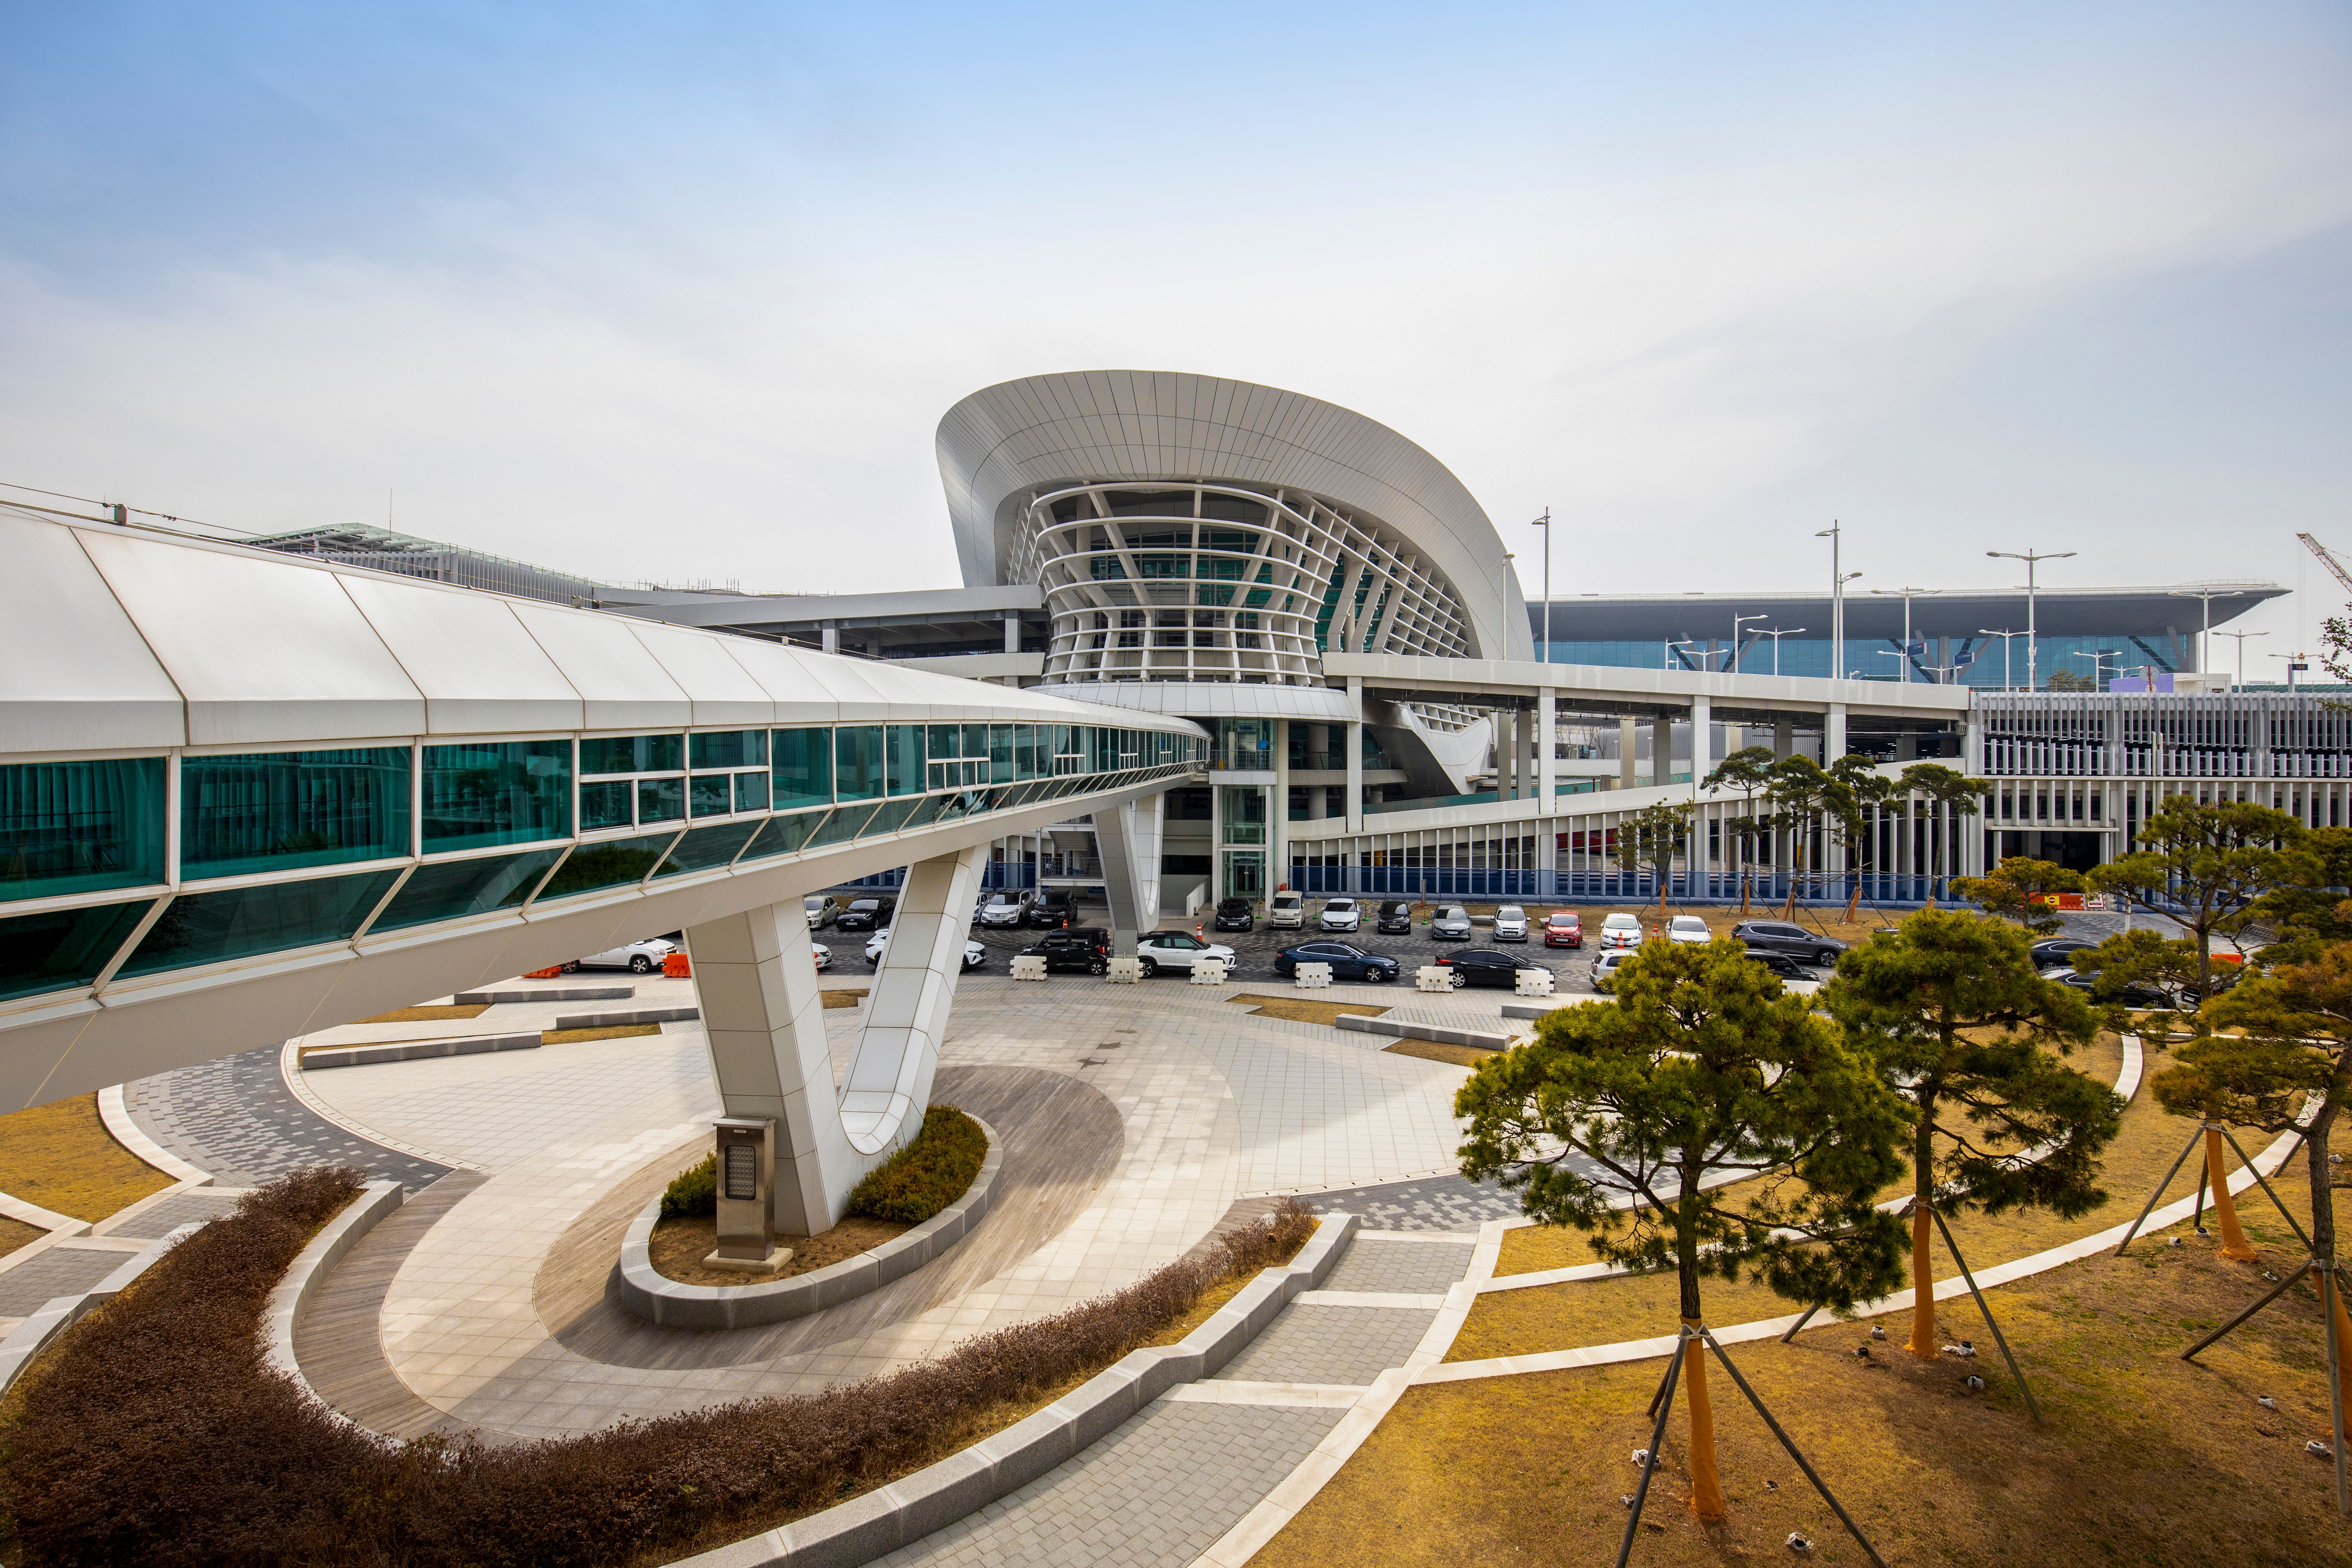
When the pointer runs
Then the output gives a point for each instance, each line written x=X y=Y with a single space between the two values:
x=1605 y=967
x=822 y=909
x=822 y=954
x=1287 y=912
x=1621 y=930
x=974 y=955
x=637 y=957
x=1689 y=929
x=1177 y=950
x=1510 y=924
x=1341 y=914
x=1007 y=907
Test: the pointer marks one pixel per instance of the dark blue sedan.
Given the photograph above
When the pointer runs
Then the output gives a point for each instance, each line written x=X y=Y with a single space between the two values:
x=1347 y=962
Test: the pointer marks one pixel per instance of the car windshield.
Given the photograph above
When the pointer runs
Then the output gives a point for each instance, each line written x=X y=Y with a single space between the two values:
x=1689 y=922
x=1511 y=912
x=1452 y=912
x=1287 y=900
x=816 y=903
x=1340 y=904
x=1622 y=923
x=1563 y=921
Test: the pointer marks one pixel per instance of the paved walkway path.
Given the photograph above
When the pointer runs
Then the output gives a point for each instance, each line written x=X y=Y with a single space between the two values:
x=235 y=1118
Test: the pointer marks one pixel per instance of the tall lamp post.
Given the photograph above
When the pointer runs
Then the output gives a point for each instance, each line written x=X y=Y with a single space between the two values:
x=1906 y=593
x=1737 y=621
x=1544 y=522
x=1776 y=634
x=2205 y=634
x=2099 y=668
x=2004 y=637
x=1839 y=578
x=2242 y=637
x=2031 y=559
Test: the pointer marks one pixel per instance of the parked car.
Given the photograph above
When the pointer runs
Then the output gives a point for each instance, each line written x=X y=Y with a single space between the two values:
x=1620 y=930
x=1484 y=966
x=1395 y=918
x=1055 y=909
x=1563 y=928
x=1286 y=911
x=1346 y=960
x=1177 y=950
x=1006 y=907
x=2058 y=952
x=2131 y=994
x=1510 y=924
x=1689 y=929
x=822 y=954
x=1450 y=923
x=824 y=909
x=1341 y=914
x=867 y=914
x=974 y=955
x=1786 y=965
x=1235 y=914
x=637 y=957
x=1605 y=967
x=1780 y=936
x=1086 y=949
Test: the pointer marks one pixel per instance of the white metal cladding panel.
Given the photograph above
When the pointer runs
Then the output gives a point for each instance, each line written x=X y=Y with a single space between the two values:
x=263 y=650
x=621 y=685
x=75 y=674
x=722 y=690
x=785 y=675
x=480 y=672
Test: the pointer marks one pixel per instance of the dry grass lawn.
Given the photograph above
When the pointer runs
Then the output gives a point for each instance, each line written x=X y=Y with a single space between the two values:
x=609 y=1032
x=16 y=1233
x=1301 y=1010
x=844 y=998
x=1434 y=1051
x=61 y=1156
x=427 y=1014
x=2145 y=1460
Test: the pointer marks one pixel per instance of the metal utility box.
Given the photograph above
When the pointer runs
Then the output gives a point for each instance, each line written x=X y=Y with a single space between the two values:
x=746 y=1159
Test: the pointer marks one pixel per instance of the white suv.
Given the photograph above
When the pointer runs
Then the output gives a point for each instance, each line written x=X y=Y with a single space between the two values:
x=1341 y=914
x=1621 y=930
x=1689 y=929
x=1287 y=913
x=1176 y=950
x=1006 y=908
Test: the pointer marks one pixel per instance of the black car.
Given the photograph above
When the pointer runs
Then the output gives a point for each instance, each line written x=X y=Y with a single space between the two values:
x=865 y=914
x=2058 y=952
x=1085 y=951
x=2129 y=994
x=1395 y=918
x=1236 y=915
x=1780 y=936
x=1788 y=966
x=1347 y=962
x=1484 y=966
x=1055 y=909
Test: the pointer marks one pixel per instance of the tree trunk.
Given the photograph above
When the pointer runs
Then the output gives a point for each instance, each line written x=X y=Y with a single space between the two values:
x=2323 y=1223
x=1923 y=1199
x=1707 y=1481
x=2234 y=1245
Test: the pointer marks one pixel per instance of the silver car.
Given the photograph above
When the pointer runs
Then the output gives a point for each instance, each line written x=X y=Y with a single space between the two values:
x=1007 y=907
x=1450 y=923
x=1510 y=924
x=1341 y=914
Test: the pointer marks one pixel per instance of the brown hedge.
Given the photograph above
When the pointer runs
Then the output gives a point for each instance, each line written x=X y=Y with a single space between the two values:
x=934 y=1168
x=154 y=1434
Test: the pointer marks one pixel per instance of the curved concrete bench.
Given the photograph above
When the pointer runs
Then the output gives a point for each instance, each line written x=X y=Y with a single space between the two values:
x=658 y=1300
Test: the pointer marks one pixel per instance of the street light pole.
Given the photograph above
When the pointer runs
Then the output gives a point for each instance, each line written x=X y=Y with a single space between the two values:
x=2030 y=559
x=1544 y=522
x=1776 y=634
x=1735 y=623
x=2205 y=636
x=2242 y=637
x=1839 y=578
x=1906 y=593
x=2004 y=637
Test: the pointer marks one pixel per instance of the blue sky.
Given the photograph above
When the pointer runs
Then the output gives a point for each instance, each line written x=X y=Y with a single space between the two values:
x=680 y=291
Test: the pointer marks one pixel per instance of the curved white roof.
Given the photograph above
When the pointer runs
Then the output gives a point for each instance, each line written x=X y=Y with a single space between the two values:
x=1004 y=442
x=129 y=637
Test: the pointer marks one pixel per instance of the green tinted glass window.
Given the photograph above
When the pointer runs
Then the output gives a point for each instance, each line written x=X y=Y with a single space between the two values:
x=452 y=889
x=946 y=741
x=727 y=748
x=904 y=744
x=802 y=768
x=858 y=761
x=660 y=800
x=63 y=949
x=841 y=826
x=507 y=792
x=606 y=805
x=1025 y=753
x=704 y=847
x=750 y=792
x=999 y=753
x=784 y=835
x=632 y=754
x=613 y=863
x=975 y=740
x=76 y=827
x=708 y=795
x=243 y=922
x=272 y=811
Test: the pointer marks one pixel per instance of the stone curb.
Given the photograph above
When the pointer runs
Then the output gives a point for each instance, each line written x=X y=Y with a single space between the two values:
x=911 y=1508
x=574 y=994
x=648 y=1295
x=417 y=1050
x=1535 y=1009
x=307 y=1273
x=1477 y=1040
x=31 y=1337
x=637 y=1016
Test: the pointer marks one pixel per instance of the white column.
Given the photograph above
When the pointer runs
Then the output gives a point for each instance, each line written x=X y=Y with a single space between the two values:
x=832 y=636
x=1547 y=750
x=1355 y=803
x=1629 y=747
x=1833 y=734
x=1011 y=632
x=1662 y=750
x=1507 y=756
x=1702 y=722
x=1784 y=739
x=1127 y=837
x=1277 y=827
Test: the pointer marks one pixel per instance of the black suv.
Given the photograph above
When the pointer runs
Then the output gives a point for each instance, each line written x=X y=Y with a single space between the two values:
x=1236 y=915
x=1395 y=918
x=1054 y=910
x=865 y=914
x=1779 y=936
x=1085 y=951
x=2058 y=952
x=1484 y=966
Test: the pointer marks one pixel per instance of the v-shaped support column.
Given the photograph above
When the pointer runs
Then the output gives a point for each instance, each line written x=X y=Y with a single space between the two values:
x=763 y=1016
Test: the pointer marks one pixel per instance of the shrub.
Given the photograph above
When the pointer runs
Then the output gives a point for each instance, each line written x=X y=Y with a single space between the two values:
x=152 y=1434
x=928 y=1175
x=693 y=1191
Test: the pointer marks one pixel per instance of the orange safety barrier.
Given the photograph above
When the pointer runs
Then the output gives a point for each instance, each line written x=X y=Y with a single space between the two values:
x=675 y=967
x=543 y=973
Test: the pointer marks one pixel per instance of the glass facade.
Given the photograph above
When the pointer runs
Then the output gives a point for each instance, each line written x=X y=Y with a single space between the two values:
x=247 y=922
x=452 y=889
x=612 y=863
x=62 y=950
x=802 y=769
x=858 y=761
x=79 y=828
x=632 y=755
x=279 y=811
x=497 y=792
x=1974 y=661
x=729 y=749
x=704 y=848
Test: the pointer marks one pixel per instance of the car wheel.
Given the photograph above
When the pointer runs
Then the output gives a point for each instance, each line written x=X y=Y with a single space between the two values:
x=640 y=964
x=1147 y=967
x=570 y=968
x=1098 y=966
x=1375 y=976
x=1824 y=958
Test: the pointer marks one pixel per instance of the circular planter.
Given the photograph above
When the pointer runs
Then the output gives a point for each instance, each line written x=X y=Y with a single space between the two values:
x=666 y=1302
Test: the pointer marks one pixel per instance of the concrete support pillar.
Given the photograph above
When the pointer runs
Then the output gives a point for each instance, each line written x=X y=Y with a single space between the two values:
x=763 y=1025
x=1629 y=748
x=1011 y=632
x=1784 y=739
x=1507 y=755
x=1833 y=734
x=1906 y=746
x=1318 y=747
x=1547 y=750
x=832 y=636
x=1319 y=802
x=1662 y=749
x=1702 y=739
x=1127 y=837
x=1278 y=826
x=1355 y=753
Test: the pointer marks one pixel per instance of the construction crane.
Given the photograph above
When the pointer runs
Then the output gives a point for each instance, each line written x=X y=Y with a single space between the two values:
x=2336 y=568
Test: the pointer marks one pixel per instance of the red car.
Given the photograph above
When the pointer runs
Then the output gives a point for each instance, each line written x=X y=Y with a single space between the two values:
x=1563 y=928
